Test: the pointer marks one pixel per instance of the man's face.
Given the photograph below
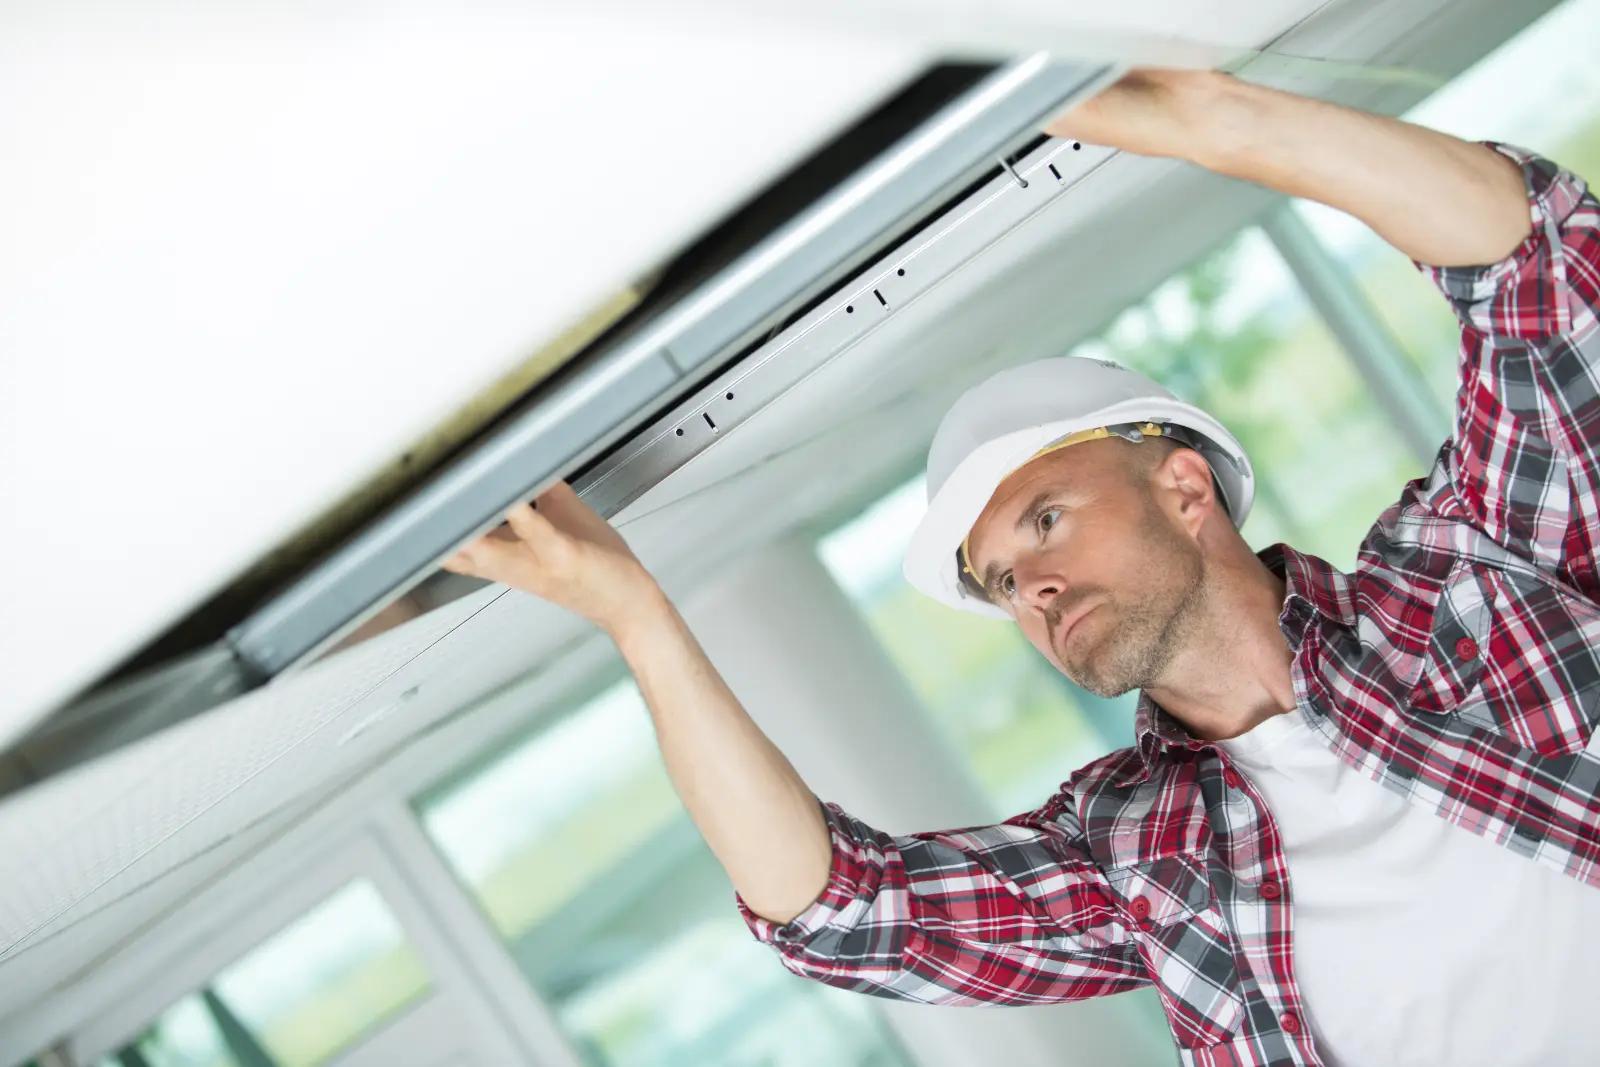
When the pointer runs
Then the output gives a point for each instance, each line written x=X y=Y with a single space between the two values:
x=1073 y=530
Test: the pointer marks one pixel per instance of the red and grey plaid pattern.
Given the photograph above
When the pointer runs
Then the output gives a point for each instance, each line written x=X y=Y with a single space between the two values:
x=1458 y=664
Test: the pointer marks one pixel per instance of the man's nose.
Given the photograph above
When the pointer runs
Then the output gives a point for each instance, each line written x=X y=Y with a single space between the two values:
x=1039 y=583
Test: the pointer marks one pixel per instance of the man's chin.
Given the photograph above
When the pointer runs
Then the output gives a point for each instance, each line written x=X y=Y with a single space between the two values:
x=1073 y=666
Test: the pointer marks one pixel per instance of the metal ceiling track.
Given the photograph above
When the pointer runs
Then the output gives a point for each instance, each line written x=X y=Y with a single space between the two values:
x=846 y=318
x=613 y=398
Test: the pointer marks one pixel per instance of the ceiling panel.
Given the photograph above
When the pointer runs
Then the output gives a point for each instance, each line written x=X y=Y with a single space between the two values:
x=255 y=251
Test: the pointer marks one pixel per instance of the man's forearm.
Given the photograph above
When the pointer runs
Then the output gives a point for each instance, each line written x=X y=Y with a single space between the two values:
x=758 y=816
x=1437 y=198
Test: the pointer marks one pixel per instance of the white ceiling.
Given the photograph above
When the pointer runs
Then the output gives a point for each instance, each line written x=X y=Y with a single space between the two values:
x=255 y=251
x=89 y=858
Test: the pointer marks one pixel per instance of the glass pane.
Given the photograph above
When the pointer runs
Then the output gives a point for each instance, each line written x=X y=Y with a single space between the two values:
x=185 y=1035
x=618 y=914
x=1556 y=113
x=320 y=984
x=305 y=994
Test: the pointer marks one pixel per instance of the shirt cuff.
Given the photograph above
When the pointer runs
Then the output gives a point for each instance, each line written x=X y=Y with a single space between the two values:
x=837 y=895
x=1506 y=297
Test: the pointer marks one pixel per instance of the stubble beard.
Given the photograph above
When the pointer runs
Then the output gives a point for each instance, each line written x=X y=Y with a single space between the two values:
x=1151 y=630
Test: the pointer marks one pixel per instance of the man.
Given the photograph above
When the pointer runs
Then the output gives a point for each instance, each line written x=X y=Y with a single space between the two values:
x=1360 y=823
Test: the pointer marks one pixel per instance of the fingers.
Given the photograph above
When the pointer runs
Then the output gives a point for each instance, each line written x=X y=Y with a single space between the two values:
x=532 y=527
x=561 y=500
x=465 y=560
x=559 y=488
x=489 y=555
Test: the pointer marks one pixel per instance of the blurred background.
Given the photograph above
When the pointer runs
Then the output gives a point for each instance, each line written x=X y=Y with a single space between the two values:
x=532 y=883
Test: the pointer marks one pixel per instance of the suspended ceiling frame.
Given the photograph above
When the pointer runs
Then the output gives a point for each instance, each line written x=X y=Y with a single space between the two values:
x=588 y=407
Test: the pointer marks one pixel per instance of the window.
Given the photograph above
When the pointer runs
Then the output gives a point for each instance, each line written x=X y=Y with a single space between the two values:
x=617 y=913
x=306 y=994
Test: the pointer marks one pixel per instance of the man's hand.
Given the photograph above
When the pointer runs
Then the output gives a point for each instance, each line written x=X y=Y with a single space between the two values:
x=563 y=552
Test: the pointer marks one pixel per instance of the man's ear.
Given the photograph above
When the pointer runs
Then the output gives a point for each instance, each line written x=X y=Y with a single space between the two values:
x=1184 y=477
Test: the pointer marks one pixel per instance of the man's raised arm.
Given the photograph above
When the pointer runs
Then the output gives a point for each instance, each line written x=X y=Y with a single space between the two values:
x=1440 y=200
x=758 y=816
x=1014 y=913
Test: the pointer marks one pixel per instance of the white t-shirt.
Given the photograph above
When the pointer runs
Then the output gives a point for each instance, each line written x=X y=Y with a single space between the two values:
x=1416 y=941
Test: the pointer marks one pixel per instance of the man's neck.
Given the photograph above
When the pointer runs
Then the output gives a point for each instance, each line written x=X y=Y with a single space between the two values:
x=1237 y=673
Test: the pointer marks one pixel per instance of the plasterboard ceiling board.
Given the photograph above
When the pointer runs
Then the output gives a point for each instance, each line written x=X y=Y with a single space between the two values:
x=264 y=250
x=254 y=251
x=125 y=834
x=114 y=814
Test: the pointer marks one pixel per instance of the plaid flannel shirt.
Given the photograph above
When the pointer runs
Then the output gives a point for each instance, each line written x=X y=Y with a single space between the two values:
x=1457 y=664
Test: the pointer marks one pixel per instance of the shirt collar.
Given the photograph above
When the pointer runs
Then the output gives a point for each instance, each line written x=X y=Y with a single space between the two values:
x=1313 y=587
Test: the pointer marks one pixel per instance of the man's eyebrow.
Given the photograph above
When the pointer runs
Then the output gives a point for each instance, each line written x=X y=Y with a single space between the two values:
x=1036 y=505
x=1029 y=515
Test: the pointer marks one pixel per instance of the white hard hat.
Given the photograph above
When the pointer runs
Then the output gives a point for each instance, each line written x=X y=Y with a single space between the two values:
x=1022 y=412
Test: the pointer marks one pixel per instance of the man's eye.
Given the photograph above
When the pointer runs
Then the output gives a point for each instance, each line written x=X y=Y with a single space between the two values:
x=1044 y=515
x=1007 y=585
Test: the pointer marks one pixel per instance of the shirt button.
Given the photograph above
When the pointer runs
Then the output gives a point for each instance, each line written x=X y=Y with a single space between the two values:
x=1467 y=648
x=1140 y=907
x=1231 y=779
x=1290 y=1022
x=1271 y=890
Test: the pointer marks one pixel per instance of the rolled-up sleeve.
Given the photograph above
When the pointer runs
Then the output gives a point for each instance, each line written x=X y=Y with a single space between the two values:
x=1010 y=913
x=1547 y=286
x=1525 y=449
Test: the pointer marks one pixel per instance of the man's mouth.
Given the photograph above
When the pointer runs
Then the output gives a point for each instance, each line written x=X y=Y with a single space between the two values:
x=1071 y=622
